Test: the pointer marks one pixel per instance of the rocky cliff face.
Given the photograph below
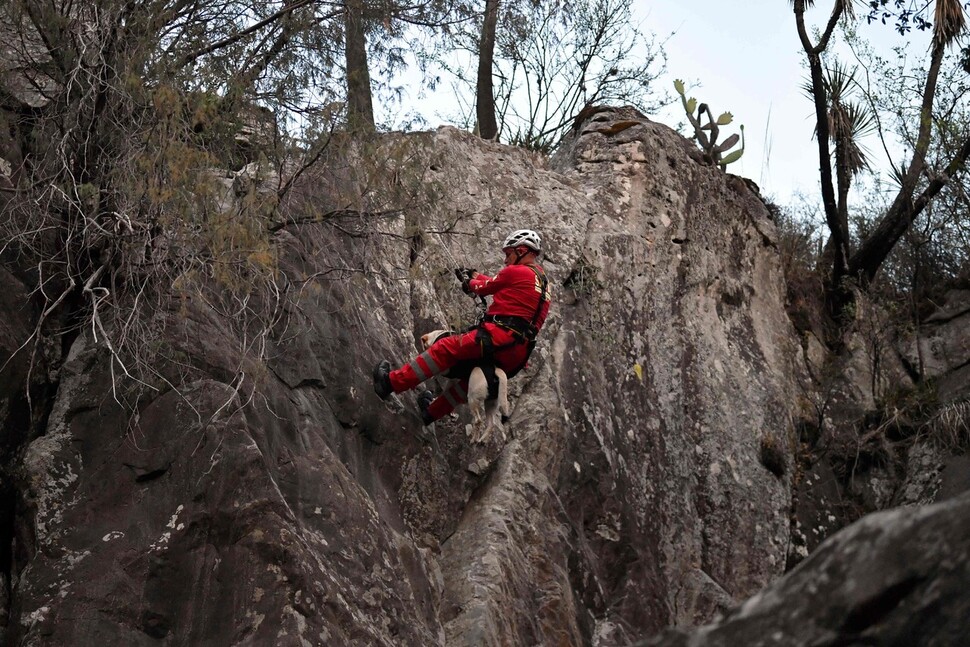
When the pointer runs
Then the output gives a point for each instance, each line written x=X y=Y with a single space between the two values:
x=268 y=497
x=888 y=420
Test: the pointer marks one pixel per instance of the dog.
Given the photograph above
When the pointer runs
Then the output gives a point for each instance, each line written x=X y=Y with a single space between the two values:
x=487 y=413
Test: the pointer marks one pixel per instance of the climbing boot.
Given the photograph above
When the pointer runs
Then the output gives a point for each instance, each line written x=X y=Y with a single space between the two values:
x=424 y=401
x=382 y=379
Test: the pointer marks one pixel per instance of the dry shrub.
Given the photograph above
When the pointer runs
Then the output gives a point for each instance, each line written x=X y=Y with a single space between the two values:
x=773 y=456
x=800 y=235
x=950 y=425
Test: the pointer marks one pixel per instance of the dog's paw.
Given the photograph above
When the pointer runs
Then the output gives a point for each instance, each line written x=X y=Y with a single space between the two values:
x=478 y=417
x=474 y=433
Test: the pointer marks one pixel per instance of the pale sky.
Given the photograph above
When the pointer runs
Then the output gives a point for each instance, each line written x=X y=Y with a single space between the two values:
x=744 y=58
x=747 y=61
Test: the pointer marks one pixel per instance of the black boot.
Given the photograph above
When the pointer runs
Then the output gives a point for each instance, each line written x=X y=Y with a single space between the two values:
x=382 y=379
x=424 y=401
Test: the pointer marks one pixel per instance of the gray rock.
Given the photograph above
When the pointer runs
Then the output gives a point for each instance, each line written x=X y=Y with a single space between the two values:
x=943 y=347
x=894 y=578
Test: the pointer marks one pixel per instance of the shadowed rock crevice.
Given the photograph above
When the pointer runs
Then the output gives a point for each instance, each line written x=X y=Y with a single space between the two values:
x=869 y=612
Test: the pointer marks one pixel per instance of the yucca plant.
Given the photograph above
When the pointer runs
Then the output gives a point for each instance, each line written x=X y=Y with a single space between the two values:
x=849 y=121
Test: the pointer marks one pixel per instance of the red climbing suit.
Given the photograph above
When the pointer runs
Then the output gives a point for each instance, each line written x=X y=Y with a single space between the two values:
x=516 y=292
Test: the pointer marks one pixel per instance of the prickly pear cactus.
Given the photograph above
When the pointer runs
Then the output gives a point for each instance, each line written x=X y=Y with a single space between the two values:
x=706 y=135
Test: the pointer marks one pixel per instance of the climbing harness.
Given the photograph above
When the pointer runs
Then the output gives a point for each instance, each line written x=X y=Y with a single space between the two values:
x=523 y=330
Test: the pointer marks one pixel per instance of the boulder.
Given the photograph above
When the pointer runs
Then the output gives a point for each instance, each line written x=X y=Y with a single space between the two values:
x=896 y=577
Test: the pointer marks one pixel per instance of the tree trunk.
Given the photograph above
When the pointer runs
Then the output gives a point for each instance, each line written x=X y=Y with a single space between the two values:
x=904 y=210
x=360 y=108
x=839 y=237
x=484 y=95
x=867 y=260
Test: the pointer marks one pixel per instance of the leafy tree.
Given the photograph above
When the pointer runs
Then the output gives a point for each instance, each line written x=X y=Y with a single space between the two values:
x=840 y=124
x=120 y=112
x=934 y=252
x=551 y=59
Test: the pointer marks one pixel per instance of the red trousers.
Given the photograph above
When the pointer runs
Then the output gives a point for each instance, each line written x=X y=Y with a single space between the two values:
x=510 y=353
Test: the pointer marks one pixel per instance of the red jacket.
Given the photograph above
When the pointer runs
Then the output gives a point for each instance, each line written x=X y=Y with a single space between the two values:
x=515 y=291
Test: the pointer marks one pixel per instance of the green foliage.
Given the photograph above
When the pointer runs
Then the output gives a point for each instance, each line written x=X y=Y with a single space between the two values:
x=582 y=280
x=850 y=121
x=706 y=134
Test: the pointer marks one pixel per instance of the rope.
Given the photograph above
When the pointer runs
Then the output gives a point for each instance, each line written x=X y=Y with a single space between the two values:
x=482 y=305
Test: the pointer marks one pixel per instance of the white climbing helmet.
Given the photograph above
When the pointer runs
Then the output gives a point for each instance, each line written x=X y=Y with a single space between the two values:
x=525 y=237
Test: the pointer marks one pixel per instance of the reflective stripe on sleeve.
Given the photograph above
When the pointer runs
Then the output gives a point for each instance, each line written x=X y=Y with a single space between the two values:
x=429 y=362
x=455 y=395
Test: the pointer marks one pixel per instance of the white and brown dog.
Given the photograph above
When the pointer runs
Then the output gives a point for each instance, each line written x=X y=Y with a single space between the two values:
x=486 y=413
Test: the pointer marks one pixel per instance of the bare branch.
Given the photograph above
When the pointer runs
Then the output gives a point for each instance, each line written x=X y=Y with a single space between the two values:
x=229 y=40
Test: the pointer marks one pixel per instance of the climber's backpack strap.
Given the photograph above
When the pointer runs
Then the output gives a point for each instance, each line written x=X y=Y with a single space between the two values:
x=544 y=291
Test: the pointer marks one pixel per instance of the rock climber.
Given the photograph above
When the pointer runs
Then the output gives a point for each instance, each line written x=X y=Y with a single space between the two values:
x=505 y=337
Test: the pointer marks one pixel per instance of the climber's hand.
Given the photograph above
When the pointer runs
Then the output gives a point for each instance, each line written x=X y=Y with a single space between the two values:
x=465 y=274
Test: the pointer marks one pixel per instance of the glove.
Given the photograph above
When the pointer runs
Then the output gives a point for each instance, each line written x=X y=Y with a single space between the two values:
x=465 y=274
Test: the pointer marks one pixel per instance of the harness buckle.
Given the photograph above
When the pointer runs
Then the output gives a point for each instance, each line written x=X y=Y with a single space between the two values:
x=516 y=325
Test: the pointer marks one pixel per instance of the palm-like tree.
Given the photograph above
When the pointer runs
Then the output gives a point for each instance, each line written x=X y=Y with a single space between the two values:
x=849 y=122
x=948 y=21
x=838 y=244
x=841 y=122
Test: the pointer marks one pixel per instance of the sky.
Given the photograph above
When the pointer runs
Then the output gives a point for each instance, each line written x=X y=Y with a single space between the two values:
x=746 y=60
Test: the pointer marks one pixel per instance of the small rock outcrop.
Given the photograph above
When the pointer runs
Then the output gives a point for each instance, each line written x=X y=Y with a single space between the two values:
x=888 y=420
x=942 y=350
